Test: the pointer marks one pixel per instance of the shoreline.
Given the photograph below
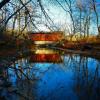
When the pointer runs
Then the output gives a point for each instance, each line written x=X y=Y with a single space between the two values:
x=12 y=52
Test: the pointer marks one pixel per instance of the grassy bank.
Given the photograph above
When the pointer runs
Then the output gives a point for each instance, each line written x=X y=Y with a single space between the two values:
x=90 y=43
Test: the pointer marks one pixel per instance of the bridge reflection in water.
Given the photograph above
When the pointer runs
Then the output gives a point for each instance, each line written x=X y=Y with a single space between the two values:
x=46 y=55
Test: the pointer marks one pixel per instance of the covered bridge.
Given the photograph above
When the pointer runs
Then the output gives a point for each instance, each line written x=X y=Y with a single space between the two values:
x=46 y=37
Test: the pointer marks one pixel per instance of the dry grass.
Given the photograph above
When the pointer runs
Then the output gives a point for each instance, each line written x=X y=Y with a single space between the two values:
x=92 y=41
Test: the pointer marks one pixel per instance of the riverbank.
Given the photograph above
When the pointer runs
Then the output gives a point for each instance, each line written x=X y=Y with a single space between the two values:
x=90 y=47
x=86 y=47
x=83 y=47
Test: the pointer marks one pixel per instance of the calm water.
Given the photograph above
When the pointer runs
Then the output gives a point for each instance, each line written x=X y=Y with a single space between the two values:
x=57 y=77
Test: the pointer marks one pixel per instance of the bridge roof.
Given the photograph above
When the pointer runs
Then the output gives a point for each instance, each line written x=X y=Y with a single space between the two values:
x=46 y=36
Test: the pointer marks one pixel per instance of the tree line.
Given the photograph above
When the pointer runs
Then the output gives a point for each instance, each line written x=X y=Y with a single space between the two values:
x=26 y=15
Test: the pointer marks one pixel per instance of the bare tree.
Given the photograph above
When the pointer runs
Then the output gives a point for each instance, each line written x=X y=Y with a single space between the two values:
x=4 y=2
x=94 y=8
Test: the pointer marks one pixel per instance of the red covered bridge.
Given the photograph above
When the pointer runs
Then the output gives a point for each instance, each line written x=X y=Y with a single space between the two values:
x=46 y=37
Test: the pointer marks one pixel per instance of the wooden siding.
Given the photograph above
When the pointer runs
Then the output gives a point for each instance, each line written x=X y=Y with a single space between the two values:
x=53 y=36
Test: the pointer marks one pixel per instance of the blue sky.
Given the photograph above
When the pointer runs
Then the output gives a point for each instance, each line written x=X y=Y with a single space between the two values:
x=60 y=17
x=57 y=14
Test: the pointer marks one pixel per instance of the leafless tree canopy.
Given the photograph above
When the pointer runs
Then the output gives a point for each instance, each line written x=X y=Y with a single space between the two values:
x=27 y=15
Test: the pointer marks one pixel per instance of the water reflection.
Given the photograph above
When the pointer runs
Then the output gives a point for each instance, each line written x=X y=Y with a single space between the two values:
x=75 y=78
x=45 y=55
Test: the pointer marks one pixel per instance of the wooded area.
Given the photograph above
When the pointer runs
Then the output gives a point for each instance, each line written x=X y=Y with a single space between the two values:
x=20 y=17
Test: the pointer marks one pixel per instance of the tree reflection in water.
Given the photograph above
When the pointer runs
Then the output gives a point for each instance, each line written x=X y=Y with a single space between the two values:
x=87 y=78
x=76 y=78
